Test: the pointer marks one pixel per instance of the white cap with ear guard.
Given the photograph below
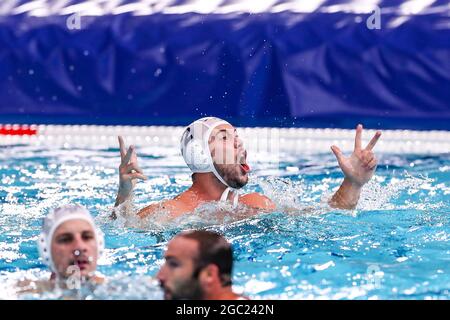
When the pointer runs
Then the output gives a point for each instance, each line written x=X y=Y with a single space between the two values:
x=195 y=150
x=57 y=217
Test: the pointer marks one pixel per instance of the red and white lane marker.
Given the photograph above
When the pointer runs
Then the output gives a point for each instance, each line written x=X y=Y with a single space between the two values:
x=18 y=130
x=275 y=140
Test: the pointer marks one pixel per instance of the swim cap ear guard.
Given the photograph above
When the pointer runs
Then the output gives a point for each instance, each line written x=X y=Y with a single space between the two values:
x=54 y=219
x=198 y=160
x=194 y=145
x=195 y=150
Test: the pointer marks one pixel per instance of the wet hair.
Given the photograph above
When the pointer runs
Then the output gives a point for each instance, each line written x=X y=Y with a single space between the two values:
x=213 y=249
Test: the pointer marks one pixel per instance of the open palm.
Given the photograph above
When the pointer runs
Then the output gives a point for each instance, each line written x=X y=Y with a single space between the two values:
x=361 y=165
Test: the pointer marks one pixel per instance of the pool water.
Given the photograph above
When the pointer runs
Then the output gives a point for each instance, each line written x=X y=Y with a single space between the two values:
x=395 y=245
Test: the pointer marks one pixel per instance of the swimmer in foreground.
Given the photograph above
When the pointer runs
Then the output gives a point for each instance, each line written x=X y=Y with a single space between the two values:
x=70 y=245
x=215 y=154
x=198 y=266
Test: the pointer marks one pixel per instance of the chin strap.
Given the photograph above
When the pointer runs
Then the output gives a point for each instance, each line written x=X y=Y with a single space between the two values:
x=235 y=194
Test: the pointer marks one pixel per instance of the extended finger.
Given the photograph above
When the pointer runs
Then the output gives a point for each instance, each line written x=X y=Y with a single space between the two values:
x=374 y=140
x=358 y=135
x=338 y=153
x=122 y=147
x=134 y=156
x=127 y=157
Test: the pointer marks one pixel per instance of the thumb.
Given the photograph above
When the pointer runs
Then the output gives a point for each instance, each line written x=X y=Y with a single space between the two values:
x=338 y=153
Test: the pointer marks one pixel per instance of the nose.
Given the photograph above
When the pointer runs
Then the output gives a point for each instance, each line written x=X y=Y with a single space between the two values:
x=161 y=274
x=79 y=245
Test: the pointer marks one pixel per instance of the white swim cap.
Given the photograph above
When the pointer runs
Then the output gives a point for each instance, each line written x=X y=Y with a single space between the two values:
x=196 y=153
x=57 y=217
x=195 y=148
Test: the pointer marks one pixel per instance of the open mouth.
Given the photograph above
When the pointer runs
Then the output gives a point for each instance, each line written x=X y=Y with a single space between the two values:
x=82 y=264
x=245 y=167
x=243 y=162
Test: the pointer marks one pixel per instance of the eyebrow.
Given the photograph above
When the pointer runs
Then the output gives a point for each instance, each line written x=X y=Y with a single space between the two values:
x=226 y=130
x=170 y=258
x=66 y=234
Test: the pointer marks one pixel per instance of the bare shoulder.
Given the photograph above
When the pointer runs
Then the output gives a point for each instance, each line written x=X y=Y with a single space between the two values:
x=98 y=279
x=174 y=207
x=257 y=201
x=166 y=205
x=33 y=286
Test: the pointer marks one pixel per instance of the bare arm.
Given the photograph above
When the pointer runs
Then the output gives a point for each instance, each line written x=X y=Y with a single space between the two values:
x=358 y=169
x=144 y=212
x=129 y=171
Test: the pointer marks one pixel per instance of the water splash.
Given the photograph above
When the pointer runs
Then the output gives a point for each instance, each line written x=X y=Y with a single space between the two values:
x=377 y=195
x=208 y=214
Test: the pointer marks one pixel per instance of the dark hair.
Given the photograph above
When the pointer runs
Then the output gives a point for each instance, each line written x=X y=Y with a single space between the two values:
x=213 y=249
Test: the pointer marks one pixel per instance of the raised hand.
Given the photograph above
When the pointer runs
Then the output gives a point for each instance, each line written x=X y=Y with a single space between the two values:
x=361 y=165
x=129 y=171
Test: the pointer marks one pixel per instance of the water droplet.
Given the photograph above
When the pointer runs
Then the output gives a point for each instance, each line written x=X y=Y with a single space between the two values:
x=79 y=88
x=86 y=53
x=71 y=68
x=158 y=72
x=31 y=72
